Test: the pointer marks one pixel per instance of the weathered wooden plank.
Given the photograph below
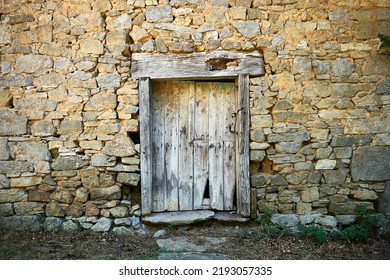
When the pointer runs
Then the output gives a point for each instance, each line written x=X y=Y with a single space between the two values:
x=201 y=172
x=201 y=143
x=229 y=175
x=158 y=147
x=220 y=64
x=243 y=183
x=171 y=136
x=146 y=154
x=216 y=147
x=185 y=175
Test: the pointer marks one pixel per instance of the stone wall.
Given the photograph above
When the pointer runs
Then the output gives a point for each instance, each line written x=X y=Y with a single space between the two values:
x=69 y=131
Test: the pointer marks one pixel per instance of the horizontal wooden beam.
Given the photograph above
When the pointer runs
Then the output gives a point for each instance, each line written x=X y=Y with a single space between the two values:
x=201 y=65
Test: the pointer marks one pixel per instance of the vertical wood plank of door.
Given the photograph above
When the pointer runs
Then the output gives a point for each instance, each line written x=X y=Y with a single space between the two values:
x=216 y=147
x=159 y=190
x=201 y=145
x=243 y=181
x=229 y=160
x=146 y=155
x=185 y=174
x=171 y=136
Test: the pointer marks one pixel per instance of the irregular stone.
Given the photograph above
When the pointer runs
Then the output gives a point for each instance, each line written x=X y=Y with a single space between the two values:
x=348 y=207
x=384 y=199
x=343 y=67
x=92 y=46
x=28 y=208
x=6 y=209
x=249 y=29
x=25 y=182
x=123 y=231
x=288 y=196
x=299 y=136
x=110 y=193
x=316 y=89
x=42 y=129
x=364 y=194
x=101 y=101
x=257 y=155
x=326 y=221
x=261 y=121
x=39 y=196
x=75 y=209
x=122 y=146
x=21 y=223
x=52 y=224
x=54 y=209
x=51 y=80
x=123 y=22
x=69 y=226
x=288 y=147
x=325 y=164
x=108 y=80
x=179 y=218
x=371 y=164
x=62 y=195
x=4 y=149
x=336 y=176
x=70 y=127
x=12 y=195
x=119 y=211
x=131 y=179
x=67 y=163
x=16 y=80
x=285 y=220
x=349 y=141
x=4 y=182
x=343 y=152
x=32 y=63
x=31 y=151
x=301 y=65
x=229 y=217
x=346 y=220
x=102 y=160
x=117 y=41
x=159 y=14
x=11 y=124
x=102 y=225
x=160 y=233
x=123 y=221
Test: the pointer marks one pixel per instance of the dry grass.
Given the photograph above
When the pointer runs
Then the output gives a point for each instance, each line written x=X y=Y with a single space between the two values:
x=243 y=242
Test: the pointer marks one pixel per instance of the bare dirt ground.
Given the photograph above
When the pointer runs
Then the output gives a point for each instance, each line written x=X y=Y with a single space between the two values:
x=247 y=242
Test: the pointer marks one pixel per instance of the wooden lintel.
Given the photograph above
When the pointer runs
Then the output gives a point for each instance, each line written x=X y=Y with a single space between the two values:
x=219 y=64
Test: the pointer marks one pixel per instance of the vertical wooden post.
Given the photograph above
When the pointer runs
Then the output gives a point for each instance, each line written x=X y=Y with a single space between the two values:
x=144 y=88
x=243 y=180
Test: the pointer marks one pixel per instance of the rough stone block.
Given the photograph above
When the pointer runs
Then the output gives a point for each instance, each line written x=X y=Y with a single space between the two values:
x=70 y=127
x=102 y=101
x=159 y=14
x=67 y=163
x=15 y=167
x=32 y=63
x=325 y=164
x=92 y=46
x=371 y=164
x=109 y=193
x=12 y=124
x=54 y=209
x=28 y=208
x=310 y=194
x=24 y=223
x=6 y=209
x=42 y=129
x=131 y=179
x=249 y=29
x=52 y=224
x=25 y=182
x=62 y=195
x=4 y=149
x=384 y=199
x=16 y=80
x=123 y=22
x=108 y=80
x=102 y=225
x=336 y=176
x=122 y=146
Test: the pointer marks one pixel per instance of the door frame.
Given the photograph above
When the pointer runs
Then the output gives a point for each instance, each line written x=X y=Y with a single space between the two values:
x=218 y=65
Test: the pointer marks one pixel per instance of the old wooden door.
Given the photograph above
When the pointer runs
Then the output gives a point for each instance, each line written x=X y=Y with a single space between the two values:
x=193 y=145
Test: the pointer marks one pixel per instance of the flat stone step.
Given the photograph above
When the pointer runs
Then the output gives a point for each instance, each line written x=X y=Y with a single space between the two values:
x=192 y=256
x=230 y=217
x=184 y=244
x=179 y=217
